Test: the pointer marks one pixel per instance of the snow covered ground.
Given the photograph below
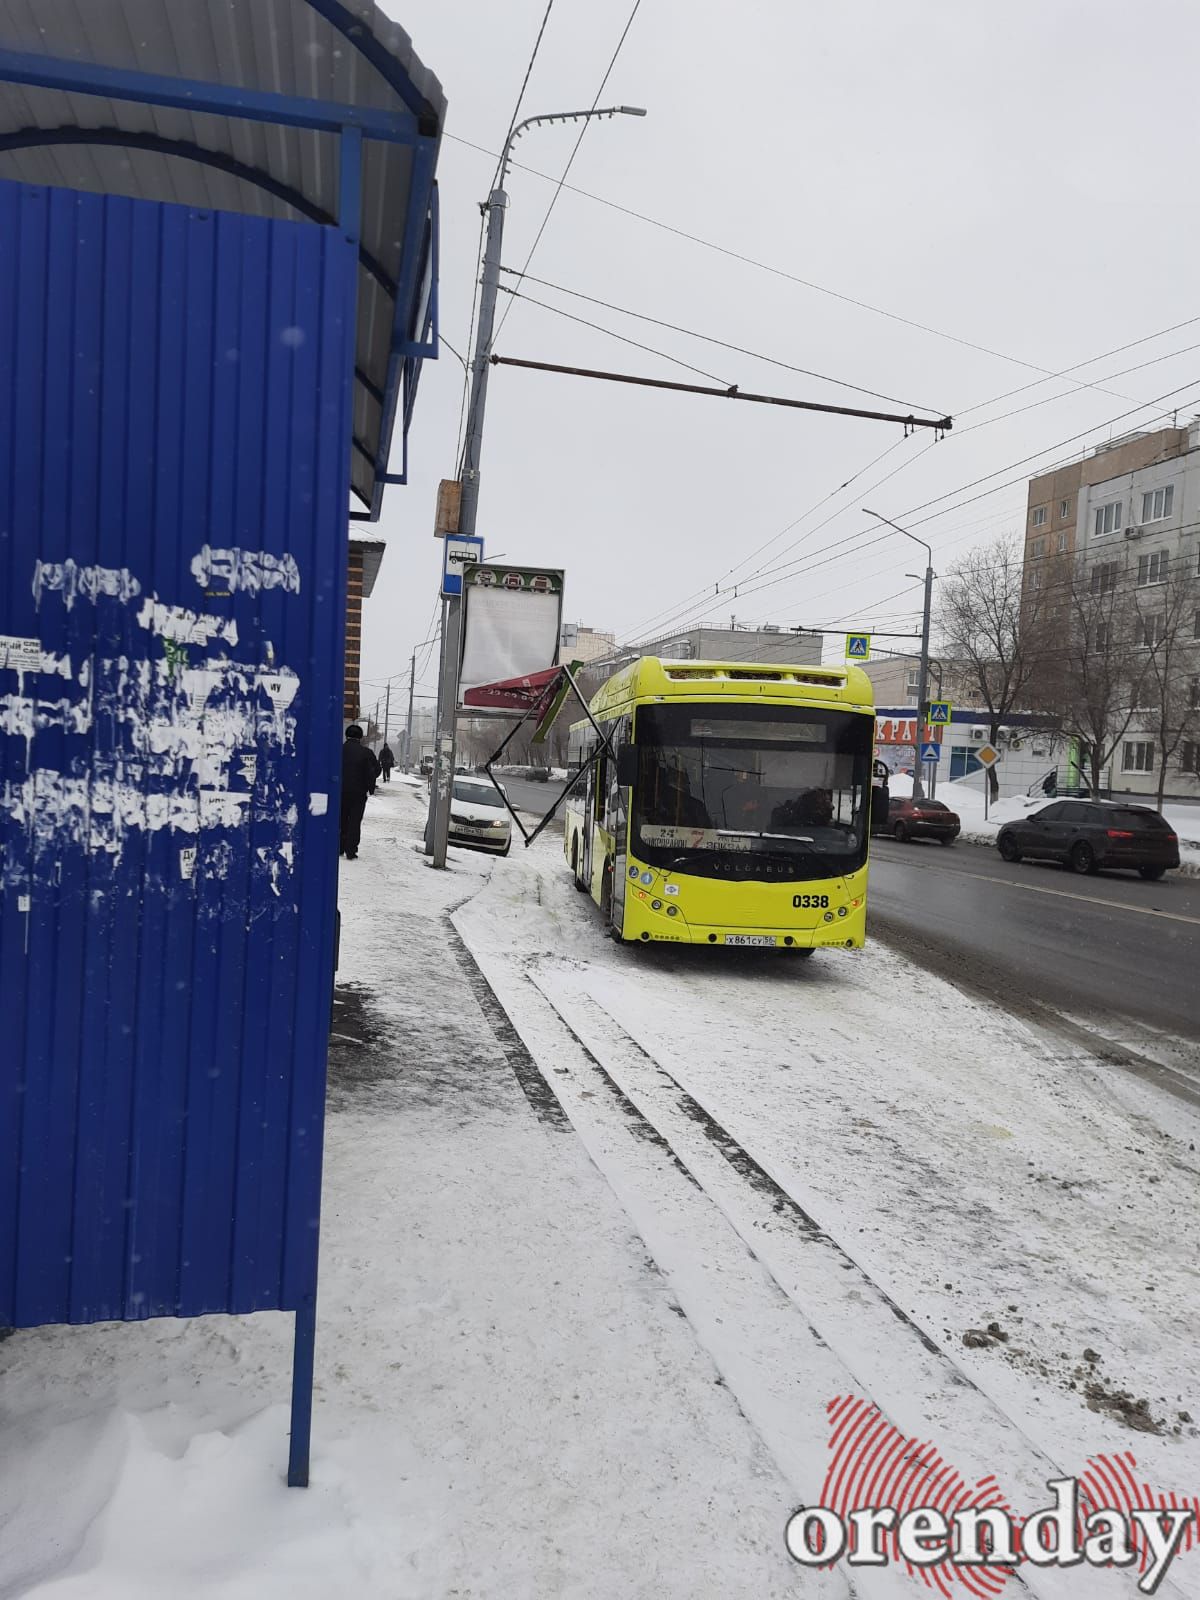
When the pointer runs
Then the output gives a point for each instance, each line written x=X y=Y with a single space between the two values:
x=967 y=800
x=591 y=1275
x=508 y=1402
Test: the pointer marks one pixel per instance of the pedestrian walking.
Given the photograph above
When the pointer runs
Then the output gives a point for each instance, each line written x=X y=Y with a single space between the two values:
x=386 y=762
x=359 y=772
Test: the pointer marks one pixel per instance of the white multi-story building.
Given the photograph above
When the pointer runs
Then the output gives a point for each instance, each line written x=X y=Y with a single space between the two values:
x=1130 y=515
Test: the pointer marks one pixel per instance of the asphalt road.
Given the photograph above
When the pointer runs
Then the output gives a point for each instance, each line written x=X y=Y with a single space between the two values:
x=535 y=798
x=1109 y=946
x=1104 y=949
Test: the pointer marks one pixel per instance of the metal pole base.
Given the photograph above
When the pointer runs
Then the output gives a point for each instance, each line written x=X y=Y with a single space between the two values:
x=302 y=1394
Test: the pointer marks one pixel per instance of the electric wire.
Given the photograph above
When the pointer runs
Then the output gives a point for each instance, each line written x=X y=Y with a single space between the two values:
x=779 y=272
x=708 y=338
x=583 y=128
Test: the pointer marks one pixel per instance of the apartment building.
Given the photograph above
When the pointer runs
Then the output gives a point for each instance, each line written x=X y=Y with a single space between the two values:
x=1129 y=512
x=585 y=644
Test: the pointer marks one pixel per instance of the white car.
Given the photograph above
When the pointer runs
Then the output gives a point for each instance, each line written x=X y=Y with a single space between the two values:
x=477 y=817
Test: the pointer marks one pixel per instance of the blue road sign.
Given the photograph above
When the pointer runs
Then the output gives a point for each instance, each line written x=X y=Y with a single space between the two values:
x=858 y=647
x=459 y=550
x=939 y=713
x=931 y=752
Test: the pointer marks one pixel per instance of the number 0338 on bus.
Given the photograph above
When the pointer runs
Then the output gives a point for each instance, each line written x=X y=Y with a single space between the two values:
x=728 y=804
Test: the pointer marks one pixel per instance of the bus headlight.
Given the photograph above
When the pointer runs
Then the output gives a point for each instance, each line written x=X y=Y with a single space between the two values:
x=841 y=911
x=656 y=905
x=672 y=911
x=829 y=916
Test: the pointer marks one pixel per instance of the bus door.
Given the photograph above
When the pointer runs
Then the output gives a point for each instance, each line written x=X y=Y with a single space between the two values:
x=617 y=802
x=589 y=818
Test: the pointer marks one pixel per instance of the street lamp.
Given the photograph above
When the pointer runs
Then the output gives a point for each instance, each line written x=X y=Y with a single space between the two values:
x=438 y=830
x=923 y=671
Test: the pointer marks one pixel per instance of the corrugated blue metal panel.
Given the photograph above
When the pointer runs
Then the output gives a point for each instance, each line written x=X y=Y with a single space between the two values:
x=174 y=411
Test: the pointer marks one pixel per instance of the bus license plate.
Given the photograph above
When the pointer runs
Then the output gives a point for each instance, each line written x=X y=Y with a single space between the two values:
x=748 y=938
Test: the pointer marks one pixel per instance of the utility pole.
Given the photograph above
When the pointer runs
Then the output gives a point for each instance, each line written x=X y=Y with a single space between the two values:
x=438 y=827
x=387 y=708
x=412 y=683
x=923 y=669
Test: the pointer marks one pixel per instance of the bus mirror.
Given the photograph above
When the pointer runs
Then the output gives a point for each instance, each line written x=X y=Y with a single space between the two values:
x=627 y=766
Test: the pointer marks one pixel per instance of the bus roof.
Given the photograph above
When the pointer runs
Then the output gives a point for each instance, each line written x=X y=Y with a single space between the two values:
x=653 y=678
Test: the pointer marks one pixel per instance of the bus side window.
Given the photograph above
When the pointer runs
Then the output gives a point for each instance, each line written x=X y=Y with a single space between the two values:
x=601 y=786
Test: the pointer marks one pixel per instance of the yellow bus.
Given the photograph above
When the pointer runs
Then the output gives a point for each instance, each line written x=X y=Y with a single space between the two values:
x=727 y=804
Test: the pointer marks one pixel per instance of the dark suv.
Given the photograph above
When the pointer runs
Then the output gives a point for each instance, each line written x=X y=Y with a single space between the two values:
x=1089 y=834
x=922 y=819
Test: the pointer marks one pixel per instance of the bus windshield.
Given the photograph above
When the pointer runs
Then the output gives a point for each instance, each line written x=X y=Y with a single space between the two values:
x=751 y=791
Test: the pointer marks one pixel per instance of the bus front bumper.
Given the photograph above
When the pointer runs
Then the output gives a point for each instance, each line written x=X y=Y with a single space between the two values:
x=842 y=927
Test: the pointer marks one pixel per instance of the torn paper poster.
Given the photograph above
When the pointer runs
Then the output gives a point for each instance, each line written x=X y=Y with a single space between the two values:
x=74 y=581
x=182 y=626
x=19 y=654
x=223 y=571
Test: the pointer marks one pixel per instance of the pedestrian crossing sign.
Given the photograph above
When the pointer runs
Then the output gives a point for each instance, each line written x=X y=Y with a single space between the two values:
x=939 y=714
x=858 y=647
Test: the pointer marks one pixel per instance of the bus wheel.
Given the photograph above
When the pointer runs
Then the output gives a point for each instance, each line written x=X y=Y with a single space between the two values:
x=575 y=864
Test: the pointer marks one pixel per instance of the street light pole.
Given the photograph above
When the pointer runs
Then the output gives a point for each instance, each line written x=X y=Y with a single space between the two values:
x=923 y=670
x=438 y=828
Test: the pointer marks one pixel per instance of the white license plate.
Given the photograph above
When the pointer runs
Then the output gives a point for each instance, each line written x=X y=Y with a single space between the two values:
x=476 y=833
x=748 y=938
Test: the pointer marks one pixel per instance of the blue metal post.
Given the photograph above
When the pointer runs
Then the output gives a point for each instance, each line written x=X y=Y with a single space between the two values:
x=302 y=1393
x=304 y=1347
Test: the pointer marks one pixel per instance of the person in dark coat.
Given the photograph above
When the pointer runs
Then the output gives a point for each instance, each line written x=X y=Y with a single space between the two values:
x=386 y=762
x=359 y=773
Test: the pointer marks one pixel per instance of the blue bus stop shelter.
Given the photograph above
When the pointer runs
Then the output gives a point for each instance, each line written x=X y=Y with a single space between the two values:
x=218 y=282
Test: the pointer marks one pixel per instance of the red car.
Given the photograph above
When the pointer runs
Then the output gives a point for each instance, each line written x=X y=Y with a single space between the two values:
x=922 y=819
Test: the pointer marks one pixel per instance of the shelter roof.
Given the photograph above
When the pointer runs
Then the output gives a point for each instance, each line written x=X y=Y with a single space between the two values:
x=242 y=105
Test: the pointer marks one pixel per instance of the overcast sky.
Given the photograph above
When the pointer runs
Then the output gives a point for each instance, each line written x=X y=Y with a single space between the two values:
x=1018 y=178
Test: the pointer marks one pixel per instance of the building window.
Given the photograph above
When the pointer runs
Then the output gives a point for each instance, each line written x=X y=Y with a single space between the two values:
x=1039 y=517
x=1038 y=549
x=1152 y=631
x=912 y=684
x=1157 y=503
x=1104 y=577
x=1189 y=761
x=1108 y=518
x=1064 y=508
x=1034 y=582
x=1137 y=755
x=1152 y=568
x=1101 y=637
x=1196 y=626
x=1194 y=694
x=1060 y=544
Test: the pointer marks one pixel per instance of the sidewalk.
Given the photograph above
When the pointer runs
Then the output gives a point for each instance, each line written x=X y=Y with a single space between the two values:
x=509 y=1403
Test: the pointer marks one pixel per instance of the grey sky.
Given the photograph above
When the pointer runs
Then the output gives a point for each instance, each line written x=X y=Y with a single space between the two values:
x=1017 y=177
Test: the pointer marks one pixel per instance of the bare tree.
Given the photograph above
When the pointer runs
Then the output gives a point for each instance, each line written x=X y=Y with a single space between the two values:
x=1170 y=691
x=1097 y=662
x=994 y=630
